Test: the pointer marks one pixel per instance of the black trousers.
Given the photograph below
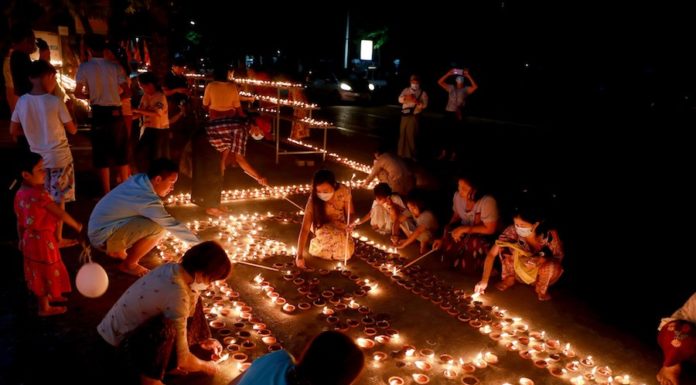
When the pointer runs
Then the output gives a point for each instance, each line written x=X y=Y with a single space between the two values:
x=207 y=177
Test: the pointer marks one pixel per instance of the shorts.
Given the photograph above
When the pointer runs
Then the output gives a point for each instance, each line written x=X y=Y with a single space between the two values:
x=60 y=183
x=109 y=137
x=129 y=233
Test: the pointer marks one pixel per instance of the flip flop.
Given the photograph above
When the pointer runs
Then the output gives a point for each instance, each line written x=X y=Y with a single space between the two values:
x=137 y=270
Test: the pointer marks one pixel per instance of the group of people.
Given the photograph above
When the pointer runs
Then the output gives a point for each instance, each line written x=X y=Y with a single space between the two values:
x=159 y=319
x=414 y=101
x=530 y=250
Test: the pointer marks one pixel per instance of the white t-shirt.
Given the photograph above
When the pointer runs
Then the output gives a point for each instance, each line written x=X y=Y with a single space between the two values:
x=160 y=292
x=103 y=79
x=221 y=96
x=486 y=208
x=156 y=102
x=42 y=118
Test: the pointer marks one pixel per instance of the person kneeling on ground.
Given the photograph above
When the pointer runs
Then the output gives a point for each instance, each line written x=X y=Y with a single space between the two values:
x=327 y=211
x=425 y=227
x=530 y=252
x=331 y=358
x=129 y=221
x=386 y=210
x=159 y=320
x=677 y=338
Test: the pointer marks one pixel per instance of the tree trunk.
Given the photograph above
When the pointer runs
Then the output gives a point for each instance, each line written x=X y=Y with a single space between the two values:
x=85 y=24
x=159 y=46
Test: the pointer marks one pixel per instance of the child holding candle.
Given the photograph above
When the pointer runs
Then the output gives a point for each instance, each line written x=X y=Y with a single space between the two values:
x=37 y=218
x=426 y=224
x=677 y=338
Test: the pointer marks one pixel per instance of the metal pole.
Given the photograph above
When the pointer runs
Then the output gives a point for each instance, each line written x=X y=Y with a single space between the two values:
x=345 y=56
x=277 y=128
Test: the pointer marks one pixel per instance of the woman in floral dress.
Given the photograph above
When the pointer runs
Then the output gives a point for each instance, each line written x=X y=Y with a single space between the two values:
x=327 y=213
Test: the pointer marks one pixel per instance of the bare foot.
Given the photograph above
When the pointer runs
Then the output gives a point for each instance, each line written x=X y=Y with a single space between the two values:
x=505 y=284
x=52 y=310
x=544 y=296
x=136 y=270
x=669 y=375
x=66 y=242
x=118 y=254
x=60 y=298
x=215 y=212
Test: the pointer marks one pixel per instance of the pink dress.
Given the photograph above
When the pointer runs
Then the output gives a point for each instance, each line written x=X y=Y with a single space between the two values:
x=44 y=270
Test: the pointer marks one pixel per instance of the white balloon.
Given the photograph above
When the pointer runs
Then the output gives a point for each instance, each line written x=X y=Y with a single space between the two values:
x=91 y=280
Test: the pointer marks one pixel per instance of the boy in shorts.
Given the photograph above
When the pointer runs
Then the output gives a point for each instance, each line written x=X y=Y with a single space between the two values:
x=43 y=119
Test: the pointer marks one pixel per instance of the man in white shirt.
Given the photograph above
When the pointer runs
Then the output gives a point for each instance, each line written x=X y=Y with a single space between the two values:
x=159 y=320
x=677 y=339
x=102 y=82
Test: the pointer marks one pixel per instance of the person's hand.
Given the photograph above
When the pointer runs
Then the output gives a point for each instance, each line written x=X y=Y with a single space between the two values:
x=533 y=261
x=437 y=244
x=300 y=262
x=82 y=234
x=262 y=181
x=351 y=227
x=458 y=232
x=213 y=345
x=395 y=239
x=480 y=287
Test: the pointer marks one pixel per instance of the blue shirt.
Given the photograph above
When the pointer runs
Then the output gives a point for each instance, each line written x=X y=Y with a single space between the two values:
x=132 y=198
x=271 y=369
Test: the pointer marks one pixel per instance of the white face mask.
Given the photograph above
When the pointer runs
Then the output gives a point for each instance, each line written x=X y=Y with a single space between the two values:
x=415 y=86
x=199 y=286
x=325 y=196
x=523 y=232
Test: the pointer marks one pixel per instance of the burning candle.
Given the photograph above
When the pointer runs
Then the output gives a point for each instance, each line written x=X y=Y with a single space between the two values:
x=567 y=351
x=424 y=366
x=479 y=362
x=327 y=311
x=421 y=378
x=379 y=356
x=526 y=381
x=490 y=358
x=588 y=362
x=624 y=380
x=395 y=381
x=410 y=352
x=579 y=380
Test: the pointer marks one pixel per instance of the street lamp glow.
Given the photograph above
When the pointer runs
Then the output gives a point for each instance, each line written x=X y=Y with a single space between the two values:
x=193 y=22
x=371 y=87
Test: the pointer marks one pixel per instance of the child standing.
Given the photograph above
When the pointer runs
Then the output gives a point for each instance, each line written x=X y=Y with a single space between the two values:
x=43 y=119
x=37 y=219
x=154 y=139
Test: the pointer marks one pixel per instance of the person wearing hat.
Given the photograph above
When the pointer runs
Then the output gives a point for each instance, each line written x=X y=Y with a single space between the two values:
x=413 y=101
x=453 y=112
